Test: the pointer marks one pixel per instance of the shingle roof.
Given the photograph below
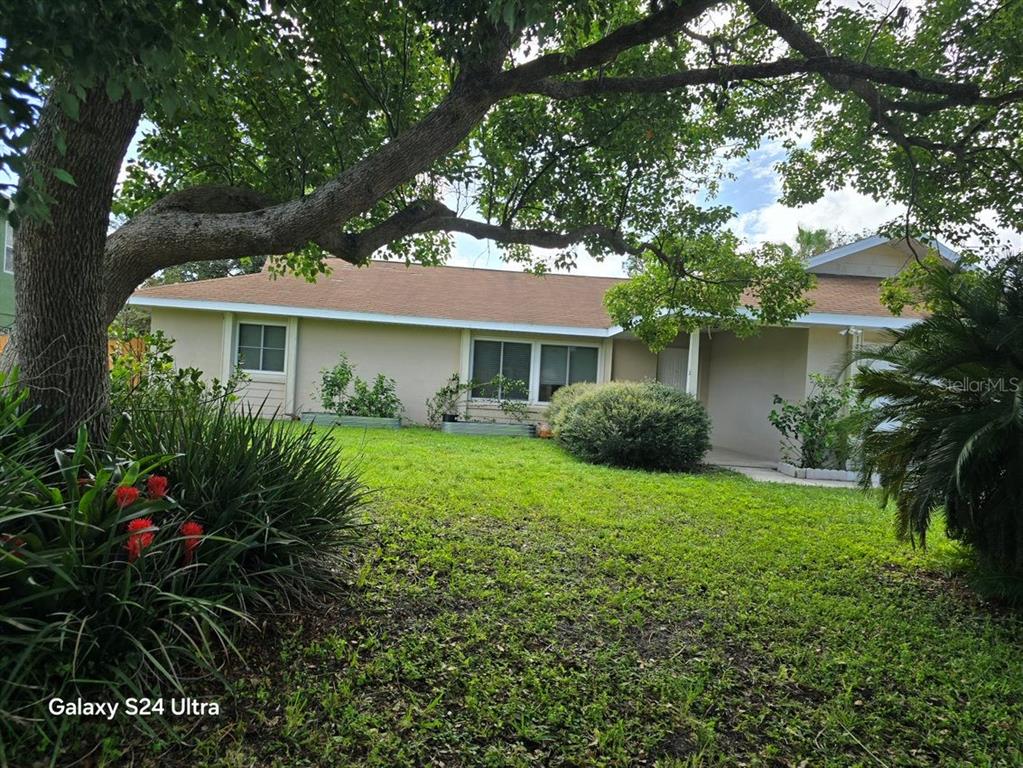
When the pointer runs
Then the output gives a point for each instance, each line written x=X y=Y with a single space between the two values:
x=459 y=293
x=851 y=295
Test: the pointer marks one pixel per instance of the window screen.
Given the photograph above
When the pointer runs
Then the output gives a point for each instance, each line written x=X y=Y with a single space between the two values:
x=561 y=365
x=261 y=347
x=511 y=360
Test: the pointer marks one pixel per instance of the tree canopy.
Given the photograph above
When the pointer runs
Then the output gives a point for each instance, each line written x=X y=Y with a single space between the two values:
x=310 y=129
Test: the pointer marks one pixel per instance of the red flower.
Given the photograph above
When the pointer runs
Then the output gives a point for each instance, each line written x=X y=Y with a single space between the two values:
x=156 y=486
x=141 y=533
x=126 y=495
x=13 y=544
x=192 y=532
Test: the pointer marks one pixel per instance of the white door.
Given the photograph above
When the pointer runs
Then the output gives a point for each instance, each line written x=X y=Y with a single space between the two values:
x=671 y=367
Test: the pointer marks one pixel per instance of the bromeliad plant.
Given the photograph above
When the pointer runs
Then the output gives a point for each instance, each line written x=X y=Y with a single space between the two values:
x=100 y=586
x=134 y=574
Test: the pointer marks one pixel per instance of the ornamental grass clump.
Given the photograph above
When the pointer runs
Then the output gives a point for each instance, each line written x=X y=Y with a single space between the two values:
x=632 y=424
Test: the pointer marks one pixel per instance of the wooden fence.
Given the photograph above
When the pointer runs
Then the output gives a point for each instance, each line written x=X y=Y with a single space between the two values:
x=133 y=347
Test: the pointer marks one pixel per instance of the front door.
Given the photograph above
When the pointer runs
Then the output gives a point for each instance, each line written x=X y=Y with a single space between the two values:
x=671 y=367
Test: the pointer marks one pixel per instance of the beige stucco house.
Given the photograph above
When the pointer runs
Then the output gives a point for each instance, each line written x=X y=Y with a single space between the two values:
x=419 y=325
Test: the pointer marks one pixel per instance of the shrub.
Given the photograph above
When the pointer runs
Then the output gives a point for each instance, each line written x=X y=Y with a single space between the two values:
x=563 y=398
x=143 y=375
x=815 y=431
x=379 y=399
x=451 y=398
x=628 y=424
x=130 y=565
x=946 y=430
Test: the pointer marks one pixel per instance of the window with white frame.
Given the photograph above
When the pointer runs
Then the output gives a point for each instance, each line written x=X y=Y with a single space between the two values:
x=510 y=362
x=9 y=249
x=561 y=365
x=532 y=370
x=261 y=347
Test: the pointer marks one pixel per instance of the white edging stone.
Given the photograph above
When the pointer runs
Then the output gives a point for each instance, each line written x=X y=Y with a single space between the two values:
x=809 y=473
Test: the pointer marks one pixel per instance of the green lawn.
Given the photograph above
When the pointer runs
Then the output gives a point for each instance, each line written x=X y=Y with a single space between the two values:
x=516 y=607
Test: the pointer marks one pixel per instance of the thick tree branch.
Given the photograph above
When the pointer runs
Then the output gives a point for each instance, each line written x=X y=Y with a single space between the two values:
x=772 y=16
x=540 y=238
x=660 y=24
x=962 y=93
x=433 y=216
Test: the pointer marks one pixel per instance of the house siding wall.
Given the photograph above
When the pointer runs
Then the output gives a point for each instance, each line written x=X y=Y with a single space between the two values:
x=420 y=360
x=737 y=377
x=879 y=261
x=632 y=361
x=825 y=352
x=198 y=338
x=744 y=375
x=265 y=394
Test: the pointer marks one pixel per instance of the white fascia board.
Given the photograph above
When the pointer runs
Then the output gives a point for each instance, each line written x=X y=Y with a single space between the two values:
x=812 y=318
x=944 y=251
x=869 y=242
x=365 y=317
x=862 y=321
x=835 y=319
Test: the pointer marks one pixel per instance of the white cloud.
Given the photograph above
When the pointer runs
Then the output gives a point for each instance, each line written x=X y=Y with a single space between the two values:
x=469 y=252
x=845 y=210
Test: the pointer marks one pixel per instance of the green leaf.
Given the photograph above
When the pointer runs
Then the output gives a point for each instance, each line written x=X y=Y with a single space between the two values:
x=115 y=89
x=64 y=176
x=68 y=103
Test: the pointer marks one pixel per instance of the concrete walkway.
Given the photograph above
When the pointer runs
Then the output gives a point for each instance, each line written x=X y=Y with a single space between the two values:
x=763 y=470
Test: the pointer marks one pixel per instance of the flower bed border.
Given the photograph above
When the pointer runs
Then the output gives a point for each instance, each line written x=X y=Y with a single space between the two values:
x=810 y=473
x=488 y=428
x=367 y=422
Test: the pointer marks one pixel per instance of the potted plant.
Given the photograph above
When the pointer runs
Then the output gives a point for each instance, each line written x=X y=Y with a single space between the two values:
x=513 y=406
x=443 y=407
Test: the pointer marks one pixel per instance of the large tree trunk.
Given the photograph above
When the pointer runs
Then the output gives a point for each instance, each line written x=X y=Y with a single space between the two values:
x=60 y=318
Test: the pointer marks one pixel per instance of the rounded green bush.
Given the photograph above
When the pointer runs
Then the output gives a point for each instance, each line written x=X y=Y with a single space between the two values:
x=563 y=398
x=631 y=424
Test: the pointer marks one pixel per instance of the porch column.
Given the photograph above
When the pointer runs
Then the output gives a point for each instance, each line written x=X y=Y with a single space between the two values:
x=291 y=367
x=693 y=369
x=227 y=350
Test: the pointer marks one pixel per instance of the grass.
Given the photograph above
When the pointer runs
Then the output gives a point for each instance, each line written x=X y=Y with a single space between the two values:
x=516 y=607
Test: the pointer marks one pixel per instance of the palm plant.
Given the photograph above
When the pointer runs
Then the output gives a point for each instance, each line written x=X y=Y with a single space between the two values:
x=946 y=430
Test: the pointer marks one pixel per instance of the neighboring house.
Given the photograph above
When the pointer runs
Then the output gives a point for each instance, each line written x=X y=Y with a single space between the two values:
x=6 y=278
x=421 y=324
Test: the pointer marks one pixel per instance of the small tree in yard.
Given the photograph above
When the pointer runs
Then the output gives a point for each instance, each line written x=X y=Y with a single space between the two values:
x=815 y=431
x=945 y=433
x=308 y=129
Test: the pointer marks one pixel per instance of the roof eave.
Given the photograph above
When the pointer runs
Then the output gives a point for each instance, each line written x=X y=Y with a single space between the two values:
x=275 y=310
